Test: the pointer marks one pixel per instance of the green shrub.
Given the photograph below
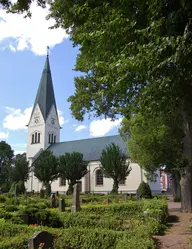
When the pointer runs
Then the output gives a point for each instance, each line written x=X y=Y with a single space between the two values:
x=144 y=190
x=2 y=198
x=42 y=193
x=16 y=220
x=20 y=187
x=91 y=221
x=120 y=209
x=11 y=208
x=12 y=201
x=11 y=190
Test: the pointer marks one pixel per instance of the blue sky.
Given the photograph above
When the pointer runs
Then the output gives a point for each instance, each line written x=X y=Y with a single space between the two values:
x=22 y=57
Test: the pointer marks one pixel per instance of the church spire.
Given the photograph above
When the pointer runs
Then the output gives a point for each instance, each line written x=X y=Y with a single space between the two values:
x=45 y=97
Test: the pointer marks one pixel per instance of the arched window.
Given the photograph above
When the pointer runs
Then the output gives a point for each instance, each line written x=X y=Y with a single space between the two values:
x=38 y=137
x=62 y=181
x=99 y=177
x=52 y=138
x=35 y=138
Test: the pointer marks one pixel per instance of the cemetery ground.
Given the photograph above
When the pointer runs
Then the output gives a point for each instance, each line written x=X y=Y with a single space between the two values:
x=179 y=233
x=103 y=222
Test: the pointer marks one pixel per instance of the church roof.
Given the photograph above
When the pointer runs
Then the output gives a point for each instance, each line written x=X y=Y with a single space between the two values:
x=91 y=148
x=45 y=97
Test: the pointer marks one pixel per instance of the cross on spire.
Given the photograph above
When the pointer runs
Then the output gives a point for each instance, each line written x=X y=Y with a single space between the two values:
x=47 y=51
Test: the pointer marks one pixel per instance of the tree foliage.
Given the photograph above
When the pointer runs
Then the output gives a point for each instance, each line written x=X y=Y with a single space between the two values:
x=45 y=168
x=6 y=159
x=144 y=190
x=154 y=142
x=119 y=42
x=72 y=167
x=114 y=165
x=20 y=170
x=20 y=6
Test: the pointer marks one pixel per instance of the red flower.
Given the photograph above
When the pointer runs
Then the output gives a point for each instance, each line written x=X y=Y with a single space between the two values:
x=54 y=238
x=41 y=244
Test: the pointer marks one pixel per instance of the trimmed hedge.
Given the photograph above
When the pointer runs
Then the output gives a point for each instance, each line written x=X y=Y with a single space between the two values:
x=128 y=225
x=76 y=238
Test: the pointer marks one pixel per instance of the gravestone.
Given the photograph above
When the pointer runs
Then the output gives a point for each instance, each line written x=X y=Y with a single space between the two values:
x=24 y=218
x=25 y=195
x=41 y=240
x=52 y=201
x=15 y=191
x=131 y=196
x=76 y=199
x=107 y=201
x=61 y=205
x=137 y=195
x=125 y=197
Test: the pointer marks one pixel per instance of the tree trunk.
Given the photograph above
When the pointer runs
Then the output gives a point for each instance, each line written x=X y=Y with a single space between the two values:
x=176 y=187
x=115 y=186
x=186 y=174
x=70 y=188
x=47 y=189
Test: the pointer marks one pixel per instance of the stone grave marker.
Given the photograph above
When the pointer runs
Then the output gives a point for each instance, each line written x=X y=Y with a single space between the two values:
x=131 y=196
x=52 y=200
x=137 y=196
x=125 y=197
x=25 y=195
x=107 y=201
x=41 y=239
x=76 y=199
x=61 y=205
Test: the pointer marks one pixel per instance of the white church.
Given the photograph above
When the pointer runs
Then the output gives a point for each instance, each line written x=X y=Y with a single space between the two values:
x=44 y=133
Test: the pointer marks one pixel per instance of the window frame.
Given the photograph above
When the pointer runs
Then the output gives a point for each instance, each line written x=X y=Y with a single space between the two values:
x=61 y=180
x=97 y=178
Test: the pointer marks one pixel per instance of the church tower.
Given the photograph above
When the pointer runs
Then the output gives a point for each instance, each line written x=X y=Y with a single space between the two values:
x=43 y=126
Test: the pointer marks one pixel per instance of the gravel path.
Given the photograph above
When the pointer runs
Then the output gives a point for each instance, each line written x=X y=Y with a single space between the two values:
x=178 y=236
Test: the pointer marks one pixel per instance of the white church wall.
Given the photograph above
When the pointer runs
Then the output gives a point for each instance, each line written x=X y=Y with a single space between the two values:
x=136 y=176
x=33 y=127
x=156 y=184
x=52 y=126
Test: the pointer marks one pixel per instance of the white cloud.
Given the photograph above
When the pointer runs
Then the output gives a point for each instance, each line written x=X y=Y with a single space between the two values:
x=4 y=135
x=18 y=119
x=81 y=127
x=33 y=33
x=102 y=127
x=61 y=118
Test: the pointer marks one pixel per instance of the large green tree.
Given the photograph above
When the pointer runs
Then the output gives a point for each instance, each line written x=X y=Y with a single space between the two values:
x=155 y=142
x=114 y=165
x=45 y=168
x=134 y=55
x=72 y=167
x=6 y=160
x=20 y=6
x=20 y=170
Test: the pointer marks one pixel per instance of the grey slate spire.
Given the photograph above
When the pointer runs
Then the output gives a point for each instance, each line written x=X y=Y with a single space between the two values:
x=45 y=97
